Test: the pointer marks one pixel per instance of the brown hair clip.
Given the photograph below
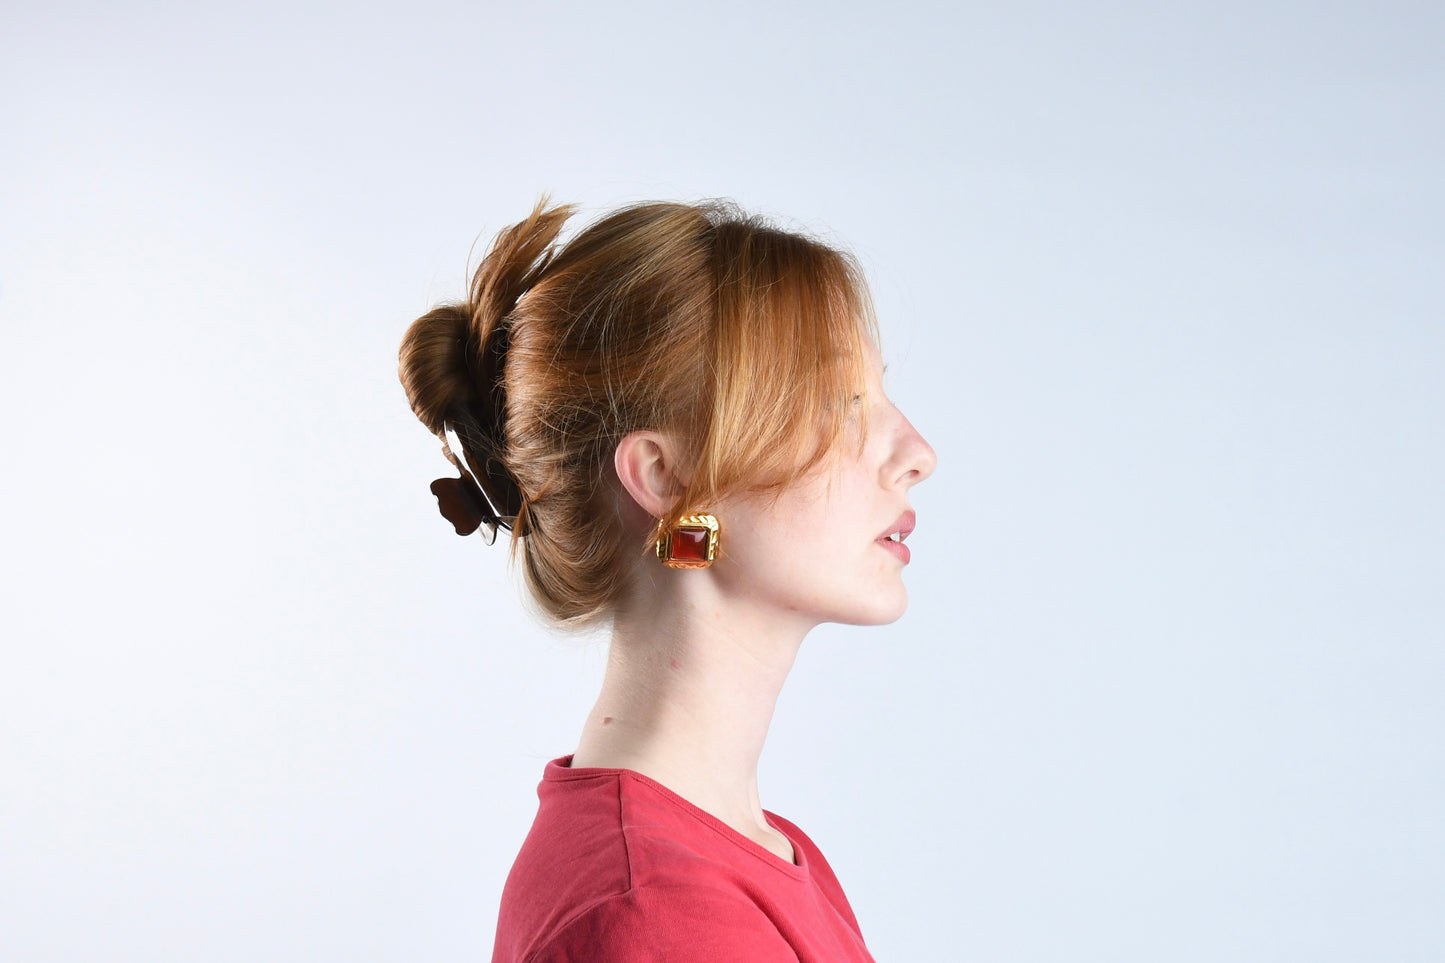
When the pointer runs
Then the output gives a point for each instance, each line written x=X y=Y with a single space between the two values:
x=461 y=500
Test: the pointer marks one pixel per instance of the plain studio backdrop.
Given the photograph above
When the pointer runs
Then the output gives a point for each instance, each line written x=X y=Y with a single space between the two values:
x=1161 y=283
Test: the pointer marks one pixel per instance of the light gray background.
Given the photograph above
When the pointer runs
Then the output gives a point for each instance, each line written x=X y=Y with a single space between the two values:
x=1160 y=282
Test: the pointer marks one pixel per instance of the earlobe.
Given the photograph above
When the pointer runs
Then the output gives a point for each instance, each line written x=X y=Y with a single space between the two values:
x=646 y=464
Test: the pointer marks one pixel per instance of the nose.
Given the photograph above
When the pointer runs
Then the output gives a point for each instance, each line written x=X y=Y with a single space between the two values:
x=914 y=458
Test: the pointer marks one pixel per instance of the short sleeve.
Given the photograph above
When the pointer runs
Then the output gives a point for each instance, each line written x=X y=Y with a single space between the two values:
x=669 y=924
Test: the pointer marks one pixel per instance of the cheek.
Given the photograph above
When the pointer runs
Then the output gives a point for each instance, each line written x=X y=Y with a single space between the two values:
x=811 y=520
x=783 y=543
x=818 y=529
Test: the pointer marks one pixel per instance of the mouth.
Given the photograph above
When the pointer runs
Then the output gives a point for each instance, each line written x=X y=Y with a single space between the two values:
x=900 y=529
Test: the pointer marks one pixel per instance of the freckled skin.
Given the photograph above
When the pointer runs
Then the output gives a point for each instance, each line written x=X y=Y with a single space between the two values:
x=813 y=552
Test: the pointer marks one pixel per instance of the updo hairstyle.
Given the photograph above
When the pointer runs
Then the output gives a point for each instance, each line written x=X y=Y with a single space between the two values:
x=742 y=341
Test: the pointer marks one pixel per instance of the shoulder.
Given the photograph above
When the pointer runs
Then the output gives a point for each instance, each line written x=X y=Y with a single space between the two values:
x=675 y=923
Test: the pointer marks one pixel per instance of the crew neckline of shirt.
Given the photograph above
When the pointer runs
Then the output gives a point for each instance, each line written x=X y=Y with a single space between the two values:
x=561 y=770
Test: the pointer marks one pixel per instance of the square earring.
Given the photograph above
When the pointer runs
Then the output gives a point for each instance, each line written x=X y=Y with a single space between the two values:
x=692 y=542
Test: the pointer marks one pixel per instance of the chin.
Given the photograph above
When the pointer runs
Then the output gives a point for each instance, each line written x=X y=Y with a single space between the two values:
x=882 y=609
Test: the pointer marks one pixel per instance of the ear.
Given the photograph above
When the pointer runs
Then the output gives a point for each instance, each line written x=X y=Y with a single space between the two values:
x=648 y=468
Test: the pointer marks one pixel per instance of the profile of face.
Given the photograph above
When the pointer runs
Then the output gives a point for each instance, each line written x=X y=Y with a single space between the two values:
x=830 y=547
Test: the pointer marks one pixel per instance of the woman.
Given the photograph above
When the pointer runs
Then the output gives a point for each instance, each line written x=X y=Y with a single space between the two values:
x=679 y=416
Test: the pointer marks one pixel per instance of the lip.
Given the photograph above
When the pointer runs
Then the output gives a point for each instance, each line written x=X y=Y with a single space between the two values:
x=904 y=527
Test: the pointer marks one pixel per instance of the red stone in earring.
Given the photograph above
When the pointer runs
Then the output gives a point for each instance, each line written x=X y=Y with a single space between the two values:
x=691 y=543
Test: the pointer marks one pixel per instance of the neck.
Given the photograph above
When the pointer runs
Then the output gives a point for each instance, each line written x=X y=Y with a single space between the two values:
x=689 y=694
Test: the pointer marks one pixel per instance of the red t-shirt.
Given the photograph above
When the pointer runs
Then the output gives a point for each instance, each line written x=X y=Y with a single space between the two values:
x=620 y=869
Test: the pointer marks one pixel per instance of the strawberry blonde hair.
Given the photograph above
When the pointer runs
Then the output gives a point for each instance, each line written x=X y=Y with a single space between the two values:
x=743 y=341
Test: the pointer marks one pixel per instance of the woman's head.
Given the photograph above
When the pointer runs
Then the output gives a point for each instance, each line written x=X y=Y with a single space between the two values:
x=742 y=343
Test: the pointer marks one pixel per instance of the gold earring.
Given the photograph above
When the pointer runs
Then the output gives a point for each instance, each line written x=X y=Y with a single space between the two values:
x=691 y=543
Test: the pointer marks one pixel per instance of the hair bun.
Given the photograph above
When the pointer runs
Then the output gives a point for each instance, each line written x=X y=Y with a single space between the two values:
x=455 y=390
x=453 y=361
x=433 y=365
